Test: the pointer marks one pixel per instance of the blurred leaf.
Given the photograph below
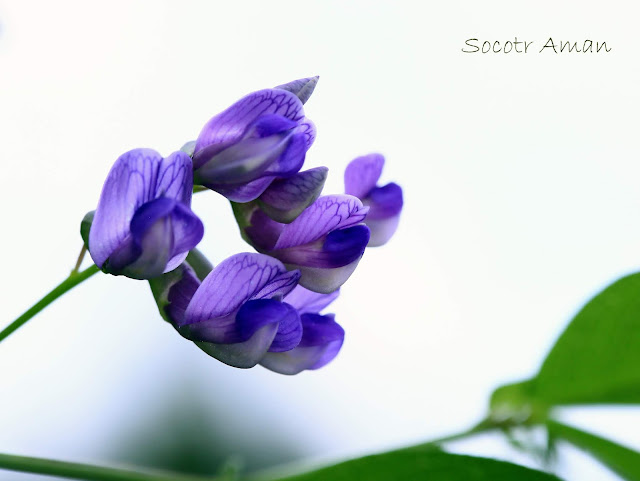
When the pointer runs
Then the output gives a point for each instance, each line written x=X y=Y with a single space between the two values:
x=595 y=360
x=187 y=430
x=622 y=460
x=432 y=465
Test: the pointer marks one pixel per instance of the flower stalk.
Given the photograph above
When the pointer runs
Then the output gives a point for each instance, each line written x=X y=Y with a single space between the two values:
x=69 y=283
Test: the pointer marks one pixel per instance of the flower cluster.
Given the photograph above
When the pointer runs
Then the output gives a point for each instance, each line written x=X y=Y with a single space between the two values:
x=252 y=308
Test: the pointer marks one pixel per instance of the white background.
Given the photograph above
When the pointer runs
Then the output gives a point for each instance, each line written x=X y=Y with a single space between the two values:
x=520 y=175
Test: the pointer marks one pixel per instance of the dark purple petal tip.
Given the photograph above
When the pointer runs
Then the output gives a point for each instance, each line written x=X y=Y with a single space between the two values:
x=339 y=248
x=257 y=313
x=384 y=202
x=321 y=341
x=272 y=124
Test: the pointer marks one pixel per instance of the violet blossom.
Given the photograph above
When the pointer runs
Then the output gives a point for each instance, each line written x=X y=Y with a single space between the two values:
x=325 y=242
x=261 y=137
x=385 y=203
x=236 y=313
x=143 y=225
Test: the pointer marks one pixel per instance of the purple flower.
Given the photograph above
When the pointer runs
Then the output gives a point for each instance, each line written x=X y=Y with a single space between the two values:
x=325 y=242
x=264 y=135
x=143 y=225
x=385 y=203
x=235 y=313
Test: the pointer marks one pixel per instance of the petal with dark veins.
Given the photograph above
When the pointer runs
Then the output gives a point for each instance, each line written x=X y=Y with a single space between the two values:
x=231 y=283
x=362 y=173
x=230 y=125
x=326 y=214
x=285 y=199
x=131 y=182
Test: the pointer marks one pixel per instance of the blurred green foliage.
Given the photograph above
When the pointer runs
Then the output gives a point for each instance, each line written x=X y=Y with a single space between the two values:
x=431 y=465
x=188 y=432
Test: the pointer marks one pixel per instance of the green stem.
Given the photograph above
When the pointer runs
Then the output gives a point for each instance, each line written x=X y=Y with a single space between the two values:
x=199 y=188
x=83 y=251
x=69 y=283
x=483 y=426
x=86 y=472
x=620 y=459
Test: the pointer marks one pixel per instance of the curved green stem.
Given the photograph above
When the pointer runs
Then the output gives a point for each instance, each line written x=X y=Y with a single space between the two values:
x=86 y=472
x=69 y=283
x=483 y=426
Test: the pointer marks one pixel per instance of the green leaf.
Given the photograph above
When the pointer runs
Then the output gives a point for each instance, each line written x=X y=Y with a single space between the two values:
x=595 y=360
x=85 y=227
x=622 y=460
x=418 y=463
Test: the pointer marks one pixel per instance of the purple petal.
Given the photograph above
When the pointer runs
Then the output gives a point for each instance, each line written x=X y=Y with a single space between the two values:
x=152 y=238
x=321 y=341
x=219 y=330
x=137 y=177
x=291 y=159
x=257 y=313
x=322 y=331
x=230 y=125
x=339 y=248
x=264 y=307
x=173 y=291
x=325 y=280
x=308 y=129
x=328 y=213
x=131 y=182
x=280 y=286
x=272 y=124
x=285 y=199
x=125 y=254
x=242 y=192
x=159 y=227
x=264 y=311
x=187 y=230
x=148 y=214
x=234 y=281
x=245 y=354
x=241 y=162
x=240 y=326
x=175 y=178
x=384 y=202
x=262 y=231
x=180 y=294
x=306 y=301
x=362 y=173
x=302 y=88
